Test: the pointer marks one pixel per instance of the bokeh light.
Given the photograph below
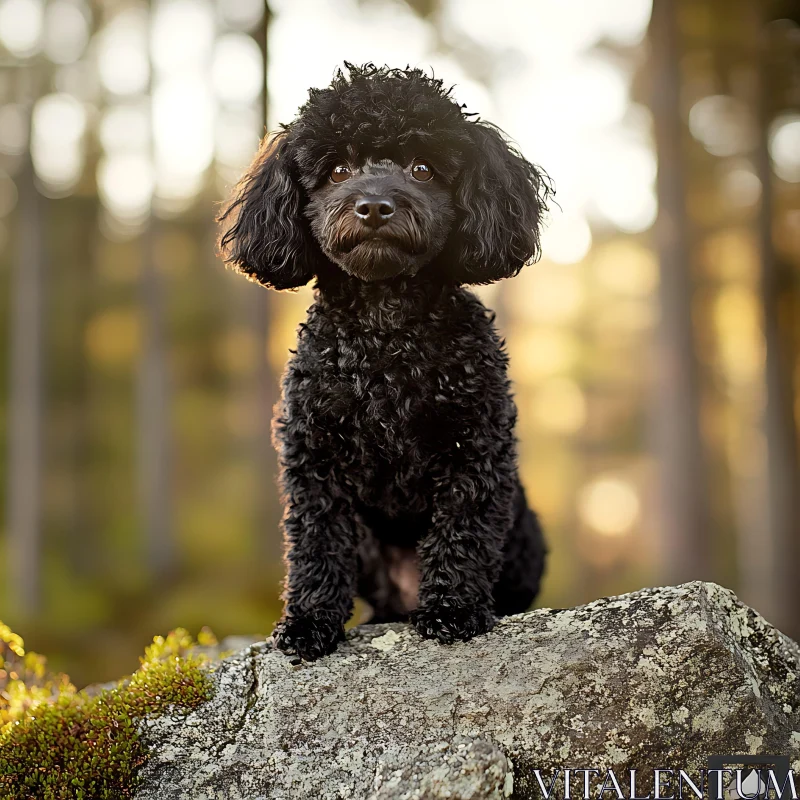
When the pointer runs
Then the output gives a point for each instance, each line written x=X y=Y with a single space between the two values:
x=241 y=15
x=125 y=182
x=784 y=147
x=237 y=136
x=559 y=405
x=723 y=124
x=182 y=35
x=736 y=317
x=125 y=128
x=622 y=182
x=567 y=239
x=588 y=91
x=21 y=26
x=113 y=337
x=59 y=123
x=183 y=132
x=66 y=31
x=741 y=186
x=550 y=293
x=572 y=25
x=609 y=505
x=411 y=41
x=237 y=71
x=541 y=352
x=122 y=52
x=626 y=268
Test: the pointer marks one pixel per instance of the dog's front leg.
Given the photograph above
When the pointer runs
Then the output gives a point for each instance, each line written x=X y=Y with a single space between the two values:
x=460 y=557
x=321 y=542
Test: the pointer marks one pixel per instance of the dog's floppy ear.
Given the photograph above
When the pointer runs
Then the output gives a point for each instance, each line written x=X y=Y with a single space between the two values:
x=264 y=232
x=500 y=200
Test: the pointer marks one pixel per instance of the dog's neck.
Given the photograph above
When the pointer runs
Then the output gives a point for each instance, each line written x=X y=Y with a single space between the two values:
x=391 y=303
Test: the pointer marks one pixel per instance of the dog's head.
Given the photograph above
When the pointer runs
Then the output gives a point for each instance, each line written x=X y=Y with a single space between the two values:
x=382 y=174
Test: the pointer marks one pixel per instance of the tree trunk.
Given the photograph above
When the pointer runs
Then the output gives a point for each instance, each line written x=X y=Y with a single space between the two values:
x=775 y=592
x=685 y=515
x=154 y=426
x=267 y=516
x=25 y=403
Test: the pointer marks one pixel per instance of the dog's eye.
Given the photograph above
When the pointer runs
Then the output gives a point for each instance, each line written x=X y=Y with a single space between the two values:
x=422 y=170
x=341 y=172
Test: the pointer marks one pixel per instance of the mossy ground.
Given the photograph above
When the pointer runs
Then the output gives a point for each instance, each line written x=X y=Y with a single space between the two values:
x=60 y=744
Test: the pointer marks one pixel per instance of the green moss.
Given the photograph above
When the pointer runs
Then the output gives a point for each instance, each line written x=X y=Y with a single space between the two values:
x=60 y=744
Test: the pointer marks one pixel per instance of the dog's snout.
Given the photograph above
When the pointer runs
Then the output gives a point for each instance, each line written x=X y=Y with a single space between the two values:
x=375 y=210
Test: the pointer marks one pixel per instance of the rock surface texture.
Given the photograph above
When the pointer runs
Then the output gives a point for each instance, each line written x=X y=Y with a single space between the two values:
x=658 y=678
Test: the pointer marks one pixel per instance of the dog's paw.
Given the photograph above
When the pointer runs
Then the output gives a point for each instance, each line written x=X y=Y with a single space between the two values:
x=448 y=624
x=309 y=637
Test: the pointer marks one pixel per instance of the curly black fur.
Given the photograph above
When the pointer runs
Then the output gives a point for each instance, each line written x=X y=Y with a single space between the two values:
x=395 y=429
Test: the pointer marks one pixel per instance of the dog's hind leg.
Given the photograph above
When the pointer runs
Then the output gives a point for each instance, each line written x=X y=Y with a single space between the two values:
x=523 y=561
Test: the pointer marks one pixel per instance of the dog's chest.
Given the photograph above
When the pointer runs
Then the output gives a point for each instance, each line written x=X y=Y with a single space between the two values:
x=391 y=398
x=387 y=406
x=391 y=390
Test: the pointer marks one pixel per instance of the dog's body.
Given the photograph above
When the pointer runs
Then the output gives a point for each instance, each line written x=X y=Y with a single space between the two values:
x=395 y=430
x=398 y=395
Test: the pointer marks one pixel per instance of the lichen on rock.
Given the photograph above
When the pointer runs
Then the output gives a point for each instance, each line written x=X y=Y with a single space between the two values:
x=659 y=678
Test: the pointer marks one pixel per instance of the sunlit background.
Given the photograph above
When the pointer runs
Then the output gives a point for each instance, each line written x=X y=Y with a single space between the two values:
x=654 y=349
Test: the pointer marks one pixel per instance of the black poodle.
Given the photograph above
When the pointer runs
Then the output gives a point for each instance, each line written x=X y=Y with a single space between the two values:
x=396 y=427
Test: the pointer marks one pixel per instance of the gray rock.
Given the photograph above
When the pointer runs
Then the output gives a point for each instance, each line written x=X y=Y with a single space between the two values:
x=658 y=678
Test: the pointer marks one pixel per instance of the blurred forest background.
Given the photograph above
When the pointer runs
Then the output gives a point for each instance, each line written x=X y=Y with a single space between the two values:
x=655 y=349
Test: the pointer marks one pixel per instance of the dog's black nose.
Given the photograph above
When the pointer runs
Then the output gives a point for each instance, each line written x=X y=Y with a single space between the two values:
x=375 y=210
